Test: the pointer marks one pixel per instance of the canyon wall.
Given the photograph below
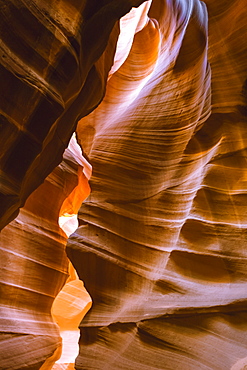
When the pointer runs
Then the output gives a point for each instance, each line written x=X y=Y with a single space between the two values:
x=161 y=246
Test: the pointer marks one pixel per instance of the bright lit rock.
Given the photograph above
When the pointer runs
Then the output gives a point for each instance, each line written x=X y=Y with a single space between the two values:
x=161 y=246
x=35 y=268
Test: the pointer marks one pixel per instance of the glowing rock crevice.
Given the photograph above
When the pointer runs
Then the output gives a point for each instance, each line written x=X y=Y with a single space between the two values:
x=161 y=244
x=35 y=269
x=59 y=70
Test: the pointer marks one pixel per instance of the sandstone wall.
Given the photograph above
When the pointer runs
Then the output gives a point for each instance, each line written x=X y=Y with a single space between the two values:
x=161 y=248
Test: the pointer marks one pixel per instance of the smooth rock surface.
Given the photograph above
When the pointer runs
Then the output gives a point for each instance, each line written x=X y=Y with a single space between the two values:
x=162 y=242
x=161 y=246
x=35 y=268
x=55 y=60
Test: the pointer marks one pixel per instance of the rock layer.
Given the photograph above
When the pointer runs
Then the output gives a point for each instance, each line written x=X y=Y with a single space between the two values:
x=162 y=237
x=162 y=244
x=54 y=64
x=55 y=60
x=35 y=269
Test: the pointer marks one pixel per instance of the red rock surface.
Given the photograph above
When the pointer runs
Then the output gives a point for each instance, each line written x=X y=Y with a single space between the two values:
x=161 y=245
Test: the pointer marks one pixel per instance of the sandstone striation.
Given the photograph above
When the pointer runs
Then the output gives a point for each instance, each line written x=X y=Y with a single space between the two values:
x=162 y=244
x=161 y=104
x=35 y=268
x=55 y=61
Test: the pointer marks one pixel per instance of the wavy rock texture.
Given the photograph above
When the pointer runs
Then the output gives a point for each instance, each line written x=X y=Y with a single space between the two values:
x=35 y=268
x=55 y=60
x=162 y=237
x=162 y=242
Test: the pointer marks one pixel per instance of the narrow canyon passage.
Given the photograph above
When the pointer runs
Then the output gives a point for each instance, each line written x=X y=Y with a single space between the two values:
x=123 y=132
x=36 y=270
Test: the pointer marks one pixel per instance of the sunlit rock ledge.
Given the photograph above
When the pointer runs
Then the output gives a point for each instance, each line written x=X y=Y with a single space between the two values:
x=144 y=205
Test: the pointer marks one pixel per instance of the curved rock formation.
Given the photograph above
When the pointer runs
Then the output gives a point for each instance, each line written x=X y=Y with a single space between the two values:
x=162 y=236
x=55 y=60
x=35 y=268
x=57 y=57
x=162 y=245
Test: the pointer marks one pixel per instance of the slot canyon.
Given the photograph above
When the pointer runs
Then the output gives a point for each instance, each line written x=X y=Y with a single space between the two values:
x=123 y=192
